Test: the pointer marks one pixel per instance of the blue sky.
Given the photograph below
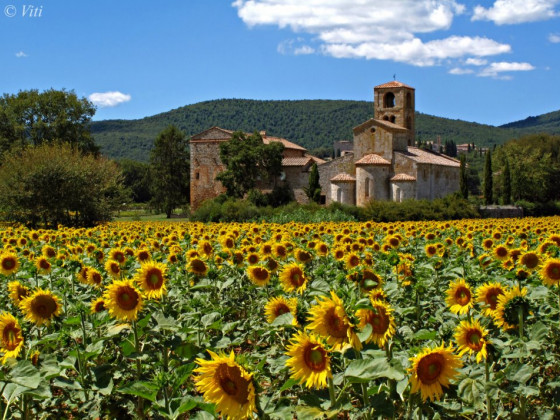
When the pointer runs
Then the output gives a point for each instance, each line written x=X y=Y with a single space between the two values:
x=489 y=61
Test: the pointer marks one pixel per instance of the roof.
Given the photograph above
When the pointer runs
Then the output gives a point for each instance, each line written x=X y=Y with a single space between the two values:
x=372 y=159
x=402 y=178
x=343 y=178
x=427 y=157
x=287 y=144
x=296 y=161
x=393 y=84
x=379 y=123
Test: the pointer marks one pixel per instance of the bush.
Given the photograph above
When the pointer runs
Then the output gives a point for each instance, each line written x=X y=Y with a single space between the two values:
x=550 y=208
x=55 y=184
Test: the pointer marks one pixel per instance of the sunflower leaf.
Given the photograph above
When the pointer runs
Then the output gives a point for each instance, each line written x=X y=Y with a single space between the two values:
x=366 y=370
x=145 y=390
x=283 y=320
x=364 y=334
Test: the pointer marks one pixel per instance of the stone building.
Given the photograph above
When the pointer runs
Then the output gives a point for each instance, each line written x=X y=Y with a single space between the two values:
x=206 y=164
x=384 y=164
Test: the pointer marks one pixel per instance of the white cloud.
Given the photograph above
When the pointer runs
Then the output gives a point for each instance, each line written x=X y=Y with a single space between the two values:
x=304 y=50
x=554 y=38
x=295 y=46
x=495 y=69
x=506 y=12
x=384 y=29
x=21 y=54
x=459 y=70
x=476 y=62
x=108 y=99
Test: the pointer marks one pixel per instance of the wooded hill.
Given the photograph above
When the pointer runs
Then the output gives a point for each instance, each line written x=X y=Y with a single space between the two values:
x=310 y=123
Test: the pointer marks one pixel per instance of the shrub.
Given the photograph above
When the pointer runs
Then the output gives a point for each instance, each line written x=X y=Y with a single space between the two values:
x=55 y=184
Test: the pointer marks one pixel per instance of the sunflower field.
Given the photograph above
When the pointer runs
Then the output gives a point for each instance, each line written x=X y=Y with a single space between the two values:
x=282 y=321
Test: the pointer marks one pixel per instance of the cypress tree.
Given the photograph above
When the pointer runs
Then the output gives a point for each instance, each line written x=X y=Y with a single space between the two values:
x=488 y=185
x=506 y=198
x=313 y=191
x=463 y=184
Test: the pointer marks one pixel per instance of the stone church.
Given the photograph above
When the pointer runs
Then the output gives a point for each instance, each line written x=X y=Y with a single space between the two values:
x=384 y=164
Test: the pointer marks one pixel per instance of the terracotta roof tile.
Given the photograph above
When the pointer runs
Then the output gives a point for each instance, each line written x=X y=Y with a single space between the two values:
x=287 y=144
x=373 y=159
x=393 y=84
x=425 y=156
x=343 y=178
x=403 y=177
x=296 y=161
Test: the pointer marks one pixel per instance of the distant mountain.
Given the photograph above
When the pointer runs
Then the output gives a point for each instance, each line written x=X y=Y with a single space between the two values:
x=310 y=123
x=548 y=123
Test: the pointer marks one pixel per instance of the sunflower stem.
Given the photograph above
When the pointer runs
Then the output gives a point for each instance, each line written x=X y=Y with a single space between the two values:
x=365 y=399
x=140 y=404
x=488 y=400
x=520 y=315
x=331 y=392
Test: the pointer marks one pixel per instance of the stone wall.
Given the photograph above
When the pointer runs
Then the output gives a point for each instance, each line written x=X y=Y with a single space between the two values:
x=205 y=165
x=373 y=140
x=497 y=212
x=328 y=170
x=343 y=192
x=372 y=183
x=401 y=191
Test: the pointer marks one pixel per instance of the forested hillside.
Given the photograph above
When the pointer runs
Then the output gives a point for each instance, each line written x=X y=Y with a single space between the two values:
x=549 y=123
x=311 y=123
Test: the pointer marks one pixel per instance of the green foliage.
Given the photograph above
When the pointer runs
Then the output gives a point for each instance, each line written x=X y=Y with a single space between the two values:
x=136 y=177
x=545 y=123
x=488 y=179
x=248 y=159
x=313 y=191
x=463 y=181
x=506 y=183
x=449 y=208
x=30 y=117
x=55 y=184
x=314 y=124
x=170 y=170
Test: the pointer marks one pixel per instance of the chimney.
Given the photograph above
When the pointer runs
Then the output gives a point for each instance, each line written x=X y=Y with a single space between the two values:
x=438 y=143
x=263 y=133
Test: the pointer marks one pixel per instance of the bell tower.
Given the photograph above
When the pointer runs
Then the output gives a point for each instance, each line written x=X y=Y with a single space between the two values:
x=394 y=102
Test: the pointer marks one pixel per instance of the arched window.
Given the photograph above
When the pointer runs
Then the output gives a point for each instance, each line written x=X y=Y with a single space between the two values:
x=367 y=188
x=385 y=118
x=389 y=100
x=408 y=100
x=393 y=119
x=409 y=123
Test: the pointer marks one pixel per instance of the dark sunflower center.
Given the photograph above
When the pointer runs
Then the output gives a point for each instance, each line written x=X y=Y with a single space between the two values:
x=492 y=298
x=474 y=339
x=127 y=298
x=336 y=326
x=198 y=266
x=43 y=307
x=96 y=278
x=315 y=358
x=430 y=367
x=10 y=337
x=281 y=309
x=99 y=306
x=8 y=264
x=530 y=260
x=379 y=321
x=260 y=274
x=232 y=382
x=296 y=278
x=155 y=279
x=463 y=296
x=553 y=271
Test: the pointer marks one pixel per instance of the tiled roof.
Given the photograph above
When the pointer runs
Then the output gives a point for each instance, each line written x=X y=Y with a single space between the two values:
x=343 y=178
x=317 y=160
x=202 y=137
x=296 y=161
x=393 y=84
x=425 y=156
x=383 y=123
x=287 y=144
x=372 y=159
x=403 y=177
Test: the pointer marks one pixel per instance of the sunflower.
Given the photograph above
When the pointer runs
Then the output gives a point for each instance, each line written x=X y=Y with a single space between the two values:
x=11 y=340
x=293 y=278
x=197 y=267
x=98 y=305
x=9 y=263
x=471 y=337
x=509 y=306
x=459 y=297
x=550 y=272
x=113 y=268
x=143 y=255
x=43 y=265
x=381 y=321
x=377 y=294
x=277 y=306
x=48 y=251
x=152 y=278
x=500 y=252
x=94 y=277
x=118 y=255
x=352 y=260
x=488 y=294
x=253 y=258
x=41 y=307
x=17 y=292
x=309 y=360
x=258 y=275
x=530 y=260
x=328 y=319
x=430 y=250
x=123 y=300
x=303 y=256
x=432 y=369
x=225 y=383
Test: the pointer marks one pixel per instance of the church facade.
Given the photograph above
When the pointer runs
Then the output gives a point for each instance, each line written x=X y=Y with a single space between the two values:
x=384 y=164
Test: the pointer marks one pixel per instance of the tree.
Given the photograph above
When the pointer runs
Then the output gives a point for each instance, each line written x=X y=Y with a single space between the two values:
x=506 y=184
x=488 y=182
x=247 y=159
x=313 y=191
x=136 y=177
x=54 y=184
x=30 y=117
x=463 y=181
x=170 y=170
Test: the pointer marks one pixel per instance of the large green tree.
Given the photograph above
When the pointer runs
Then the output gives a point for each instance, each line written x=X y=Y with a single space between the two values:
x=488 y=181
x=247 y=160
x=33 y=117
x=170 y=170
x=53 y=184
x=313 y=190
x=136 y=177
x=463 y=178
